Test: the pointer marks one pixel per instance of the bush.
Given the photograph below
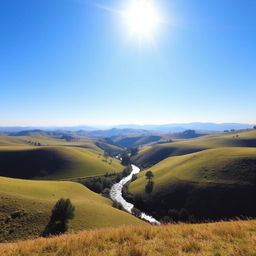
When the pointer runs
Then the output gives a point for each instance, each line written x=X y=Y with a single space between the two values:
x=62 y=212
x=136 y=212
x=166 y=219
x=134 y=177
x=117 y=205
x=106 y=192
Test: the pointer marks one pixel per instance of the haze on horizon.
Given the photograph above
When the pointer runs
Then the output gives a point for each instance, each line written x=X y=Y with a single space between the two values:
x=76 y=62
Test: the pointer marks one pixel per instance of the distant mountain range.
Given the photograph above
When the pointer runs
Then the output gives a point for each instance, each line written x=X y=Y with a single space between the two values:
x=186 y=126
x=122 y=129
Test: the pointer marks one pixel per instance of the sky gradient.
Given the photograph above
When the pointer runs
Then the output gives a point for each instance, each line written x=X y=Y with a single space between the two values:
x=69 y=62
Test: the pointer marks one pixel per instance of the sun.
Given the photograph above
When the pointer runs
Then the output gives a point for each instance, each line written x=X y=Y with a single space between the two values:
x=142 y=19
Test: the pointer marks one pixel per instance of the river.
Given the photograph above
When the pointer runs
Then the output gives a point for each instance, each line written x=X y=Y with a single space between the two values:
x=116 y=195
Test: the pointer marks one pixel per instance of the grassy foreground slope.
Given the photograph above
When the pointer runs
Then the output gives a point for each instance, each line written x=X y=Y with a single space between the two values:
x=215 y=239
x=25 y=207
x=150 y=155
x=55 y=162
x=214 y=183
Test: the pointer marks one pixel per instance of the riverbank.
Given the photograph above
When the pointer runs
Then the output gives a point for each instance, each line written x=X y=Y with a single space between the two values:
x=116 y=195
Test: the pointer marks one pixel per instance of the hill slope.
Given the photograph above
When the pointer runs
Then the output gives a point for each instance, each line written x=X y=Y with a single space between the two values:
x=151 y=155
x=25 y=207
x=54 y=162
x=213 y=184
x=215 y=239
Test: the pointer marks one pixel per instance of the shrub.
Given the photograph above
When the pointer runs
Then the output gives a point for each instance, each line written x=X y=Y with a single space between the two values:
x=136 y=212
x=117 y=205
x=166 y=219
x=134 y=177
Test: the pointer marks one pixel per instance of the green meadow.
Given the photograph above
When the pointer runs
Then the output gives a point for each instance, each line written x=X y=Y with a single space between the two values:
x=26 y=207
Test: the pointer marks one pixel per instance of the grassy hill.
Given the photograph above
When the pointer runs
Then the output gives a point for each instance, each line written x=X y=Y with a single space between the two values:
x=215 y=239
x=25 y=207
x=54 y=162
x=129 y=141
x=150 y=155
x=214 y=183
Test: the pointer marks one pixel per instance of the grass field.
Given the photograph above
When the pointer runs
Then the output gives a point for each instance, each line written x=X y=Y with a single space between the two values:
x=25 y=207
x=150 y=155
x=212 y=183
x=216 y=239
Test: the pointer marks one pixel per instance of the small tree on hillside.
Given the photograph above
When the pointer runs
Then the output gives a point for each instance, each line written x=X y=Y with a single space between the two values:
x=149 y=175
x=62 y=212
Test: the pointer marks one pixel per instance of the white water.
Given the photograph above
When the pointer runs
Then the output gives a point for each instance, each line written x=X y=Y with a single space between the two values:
x=116 y=194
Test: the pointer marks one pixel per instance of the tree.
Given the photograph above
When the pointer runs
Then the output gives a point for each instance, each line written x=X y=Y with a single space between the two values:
x=136 y=212
x=254 y=127
x=117 y=205
x=149 y=175
x=62 y=212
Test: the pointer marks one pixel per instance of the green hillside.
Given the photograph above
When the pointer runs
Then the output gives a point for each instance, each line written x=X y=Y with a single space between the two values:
x=212 y=183
x=54 y=162
x=25 y=207
x=150 y=155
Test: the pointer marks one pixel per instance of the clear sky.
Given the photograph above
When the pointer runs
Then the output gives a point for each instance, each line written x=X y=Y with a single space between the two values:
x=70 y=62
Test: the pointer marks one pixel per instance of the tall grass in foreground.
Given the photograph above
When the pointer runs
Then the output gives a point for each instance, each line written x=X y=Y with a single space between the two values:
x=236 y=238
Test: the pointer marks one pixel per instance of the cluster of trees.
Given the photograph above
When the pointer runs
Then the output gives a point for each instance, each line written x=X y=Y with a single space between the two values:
x=102 y=184
x=134 y=151
x=117 y=205
x=150 y=185
x=125 y=159
x=62 y=212
x=34 y=143
x=232 y=130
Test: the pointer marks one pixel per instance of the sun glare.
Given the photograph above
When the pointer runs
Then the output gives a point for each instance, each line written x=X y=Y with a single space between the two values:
x=142 y=19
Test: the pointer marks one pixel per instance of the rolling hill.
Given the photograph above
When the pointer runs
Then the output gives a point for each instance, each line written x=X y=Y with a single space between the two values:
x=25 y=207
x=150 y=155
x=55 y=158
x=211 y=184
x=214 y=239
x=57 y=162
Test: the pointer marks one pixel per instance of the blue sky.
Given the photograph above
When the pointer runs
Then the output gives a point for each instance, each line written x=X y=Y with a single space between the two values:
x=68 y=62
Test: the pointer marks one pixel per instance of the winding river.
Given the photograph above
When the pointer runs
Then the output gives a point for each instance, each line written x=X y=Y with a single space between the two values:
x=116 y=195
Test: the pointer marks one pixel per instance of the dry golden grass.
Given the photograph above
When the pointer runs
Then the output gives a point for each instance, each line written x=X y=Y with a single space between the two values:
x=236 y=238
